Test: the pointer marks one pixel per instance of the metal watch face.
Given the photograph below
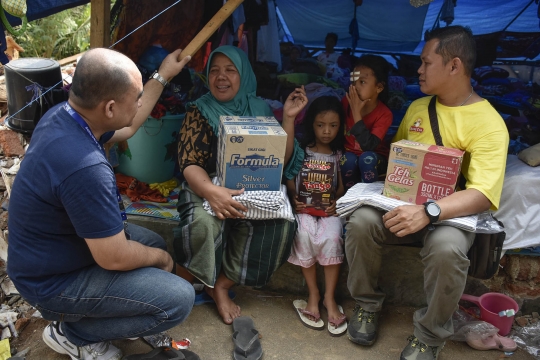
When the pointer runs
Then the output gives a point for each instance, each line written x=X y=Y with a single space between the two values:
x=433 y=209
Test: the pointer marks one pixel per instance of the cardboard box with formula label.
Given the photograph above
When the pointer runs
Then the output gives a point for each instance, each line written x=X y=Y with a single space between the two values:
x=251 y=150
x=420 y=172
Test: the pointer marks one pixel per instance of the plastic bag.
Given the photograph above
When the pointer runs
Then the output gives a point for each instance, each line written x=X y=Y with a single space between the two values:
x=158 y=340
x=487 y=224
x=527 y=338
x=163 y=339
x=467 y=327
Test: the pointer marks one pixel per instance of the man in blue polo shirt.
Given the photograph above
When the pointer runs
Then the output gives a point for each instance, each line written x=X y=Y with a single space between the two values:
x=71 y=253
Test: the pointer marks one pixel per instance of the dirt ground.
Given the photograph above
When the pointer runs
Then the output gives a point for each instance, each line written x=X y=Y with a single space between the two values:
x=283 y=335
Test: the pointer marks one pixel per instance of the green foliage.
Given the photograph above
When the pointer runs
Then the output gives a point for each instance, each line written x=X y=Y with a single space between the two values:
x=57 y=36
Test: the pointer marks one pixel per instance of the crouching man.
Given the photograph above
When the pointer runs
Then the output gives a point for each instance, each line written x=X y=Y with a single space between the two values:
x=72 y=254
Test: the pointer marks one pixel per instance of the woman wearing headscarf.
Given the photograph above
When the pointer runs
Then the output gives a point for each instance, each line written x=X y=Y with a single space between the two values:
x=228 y=249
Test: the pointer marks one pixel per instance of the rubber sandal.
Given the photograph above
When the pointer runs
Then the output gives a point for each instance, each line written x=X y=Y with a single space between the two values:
x=247 y=345
x=203 y=298
x=164 y=353
x=495 y=342
x=337 y=327
x=300 y=306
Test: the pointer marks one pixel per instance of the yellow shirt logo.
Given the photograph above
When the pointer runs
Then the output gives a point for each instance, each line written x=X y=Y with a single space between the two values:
x=416 y=126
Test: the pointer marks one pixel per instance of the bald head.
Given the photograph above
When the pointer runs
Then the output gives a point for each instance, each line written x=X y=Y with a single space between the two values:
x=101 y=75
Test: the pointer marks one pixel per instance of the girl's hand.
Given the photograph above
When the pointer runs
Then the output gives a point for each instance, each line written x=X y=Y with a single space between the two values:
x=356 y=103
x=298 y=205
x=224 y=206
x=295 y=103
x=331 y=210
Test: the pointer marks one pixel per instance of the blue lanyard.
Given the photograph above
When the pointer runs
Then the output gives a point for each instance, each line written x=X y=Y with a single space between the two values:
x=78 y=118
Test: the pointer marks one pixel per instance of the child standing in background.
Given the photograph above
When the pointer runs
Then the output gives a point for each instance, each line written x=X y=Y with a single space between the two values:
x=368 y=120
x=329 y=56
x=319 y=238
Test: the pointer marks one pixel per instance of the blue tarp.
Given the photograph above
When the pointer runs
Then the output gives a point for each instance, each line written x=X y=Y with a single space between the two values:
x=38 y=9
x=397 y=26
x=384 y=25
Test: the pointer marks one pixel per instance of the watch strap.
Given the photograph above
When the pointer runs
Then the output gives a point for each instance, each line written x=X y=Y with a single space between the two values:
x=155 y=75
x=432 y=218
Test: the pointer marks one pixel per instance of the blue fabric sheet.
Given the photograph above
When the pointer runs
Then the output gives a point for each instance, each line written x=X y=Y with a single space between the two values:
x=384 y=25
x=396 y=26
x=38 y=9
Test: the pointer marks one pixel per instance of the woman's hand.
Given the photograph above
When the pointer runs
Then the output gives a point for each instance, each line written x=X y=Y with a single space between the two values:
x=356 y=103
x=224 y=206
x=295 y=103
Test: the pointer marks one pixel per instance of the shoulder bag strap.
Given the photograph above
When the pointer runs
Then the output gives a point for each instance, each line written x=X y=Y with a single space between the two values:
x=434 y=121
x=437 y=135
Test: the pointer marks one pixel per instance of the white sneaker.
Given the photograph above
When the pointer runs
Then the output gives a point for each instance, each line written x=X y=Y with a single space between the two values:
x=55 y=339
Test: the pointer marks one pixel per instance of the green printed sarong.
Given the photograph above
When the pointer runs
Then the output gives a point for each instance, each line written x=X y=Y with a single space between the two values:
x=248 y=252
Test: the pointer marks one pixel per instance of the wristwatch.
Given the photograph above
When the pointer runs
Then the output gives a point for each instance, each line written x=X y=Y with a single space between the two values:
x=155 y=75
x=433 y=211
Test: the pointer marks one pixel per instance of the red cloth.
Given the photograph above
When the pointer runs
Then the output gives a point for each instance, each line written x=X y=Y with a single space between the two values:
x=137 y=190
x=377 y=122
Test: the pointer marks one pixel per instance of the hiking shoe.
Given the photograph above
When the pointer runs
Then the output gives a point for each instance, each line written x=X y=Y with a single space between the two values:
x=417 y=350
x=55 y=339
x=363 y=326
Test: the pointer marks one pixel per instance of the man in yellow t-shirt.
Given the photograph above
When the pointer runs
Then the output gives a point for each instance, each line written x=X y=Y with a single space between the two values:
x=467 y=122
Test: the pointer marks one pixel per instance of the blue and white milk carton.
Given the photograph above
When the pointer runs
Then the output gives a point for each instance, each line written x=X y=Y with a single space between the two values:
x=251 y=150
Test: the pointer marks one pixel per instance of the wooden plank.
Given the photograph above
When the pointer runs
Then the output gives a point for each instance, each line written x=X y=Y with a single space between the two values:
x=100 y=15
x=70 y=59
x=200 y=39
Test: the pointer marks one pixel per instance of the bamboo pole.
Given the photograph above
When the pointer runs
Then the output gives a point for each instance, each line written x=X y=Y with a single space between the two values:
x=219 y=18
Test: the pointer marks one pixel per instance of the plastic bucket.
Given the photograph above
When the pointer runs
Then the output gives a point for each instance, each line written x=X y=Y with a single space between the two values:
x=490 y=305
x=153 y=150
x=27 y=79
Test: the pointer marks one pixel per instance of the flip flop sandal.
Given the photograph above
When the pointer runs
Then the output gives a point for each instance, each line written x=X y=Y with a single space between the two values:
x=164 y=353
x=204 y=298
x=337 y=326
x=495 y=342
x=247 y=345
x=300 y=306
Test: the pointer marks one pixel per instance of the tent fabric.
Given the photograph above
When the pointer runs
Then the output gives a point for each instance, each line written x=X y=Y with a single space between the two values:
x=168 y=30
x=309 y=21
x=38 y=9
x=384 y=25
x=397 y=26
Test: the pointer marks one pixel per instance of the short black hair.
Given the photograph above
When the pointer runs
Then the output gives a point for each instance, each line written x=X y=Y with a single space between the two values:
x=455 y=41
x=381 y=70
x=99 y=76
x=332 y=35
x=321 y=105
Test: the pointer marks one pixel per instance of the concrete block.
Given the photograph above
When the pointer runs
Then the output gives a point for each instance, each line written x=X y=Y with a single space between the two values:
x=162 y=227
x=401 y=277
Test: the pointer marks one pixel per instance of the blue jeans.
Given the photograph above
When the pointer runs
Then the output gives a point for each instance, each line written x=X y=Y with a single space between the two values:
x=366 y=168
x=102 y=305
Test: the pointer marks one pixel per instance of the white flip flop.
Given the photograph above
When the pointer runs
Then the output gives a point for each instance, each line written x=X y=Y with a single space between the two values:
x=341 y=328
x=300 y=306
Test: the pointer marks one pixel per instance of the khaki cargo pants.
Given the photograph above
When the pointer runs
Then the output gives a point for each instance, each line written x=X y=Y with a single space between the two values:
x=444 y=255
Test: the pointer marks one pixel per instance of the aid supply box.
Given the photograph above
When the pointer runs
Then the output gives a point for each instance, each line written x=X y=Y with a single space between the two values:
x=315 y=187
x=419 y=172
x=251 y=150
